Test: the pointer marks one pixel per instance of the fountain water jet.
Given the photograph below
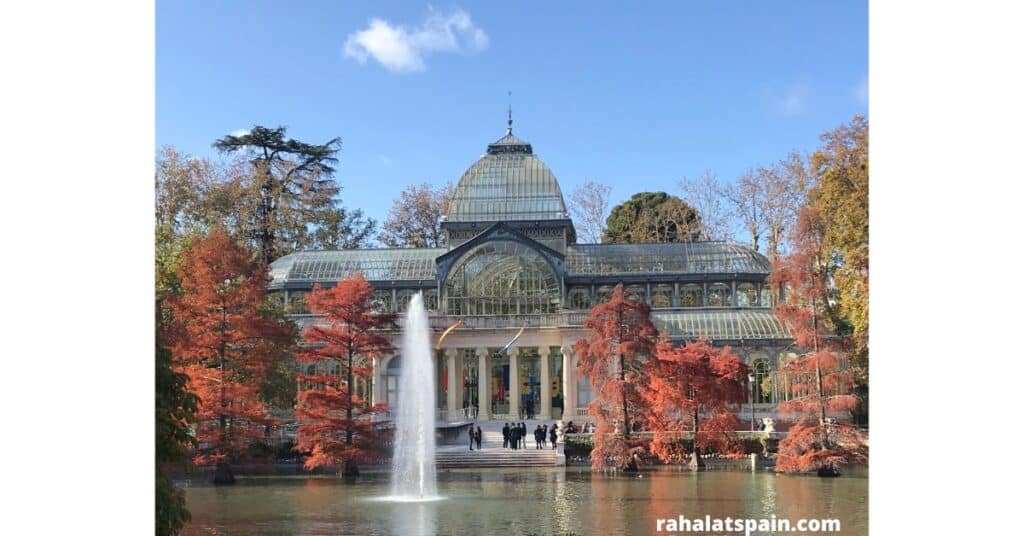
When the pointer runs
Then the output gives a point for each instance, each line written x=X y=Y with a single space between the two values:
x=414 y=475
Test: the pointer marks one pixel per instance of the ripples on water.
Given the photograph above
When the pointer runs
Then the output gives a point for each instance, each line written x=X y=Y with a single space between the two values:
x=544 y=501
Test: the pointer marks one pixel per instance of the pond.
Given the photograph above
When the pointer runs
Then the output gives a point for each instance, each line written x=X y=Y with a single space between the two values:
x=520 y=502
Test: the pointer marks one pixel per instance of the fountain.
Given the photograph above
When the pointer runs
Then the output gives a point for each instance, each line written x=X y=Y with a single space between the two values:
x=413 y=475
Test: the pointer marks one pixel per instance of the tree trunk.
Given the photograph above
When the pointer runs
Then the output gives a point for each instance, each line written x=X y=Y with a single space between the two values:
x=696 y=462
x=223 y=474
x=828 y=471
x=350 y=470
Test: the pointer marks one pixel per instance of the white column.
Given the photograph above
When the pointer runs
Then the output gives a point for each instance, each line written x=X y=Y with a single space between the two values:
x=568 y=385
x=380 y=385
x=482 y=383
x=545 y=382
x=513 y=382
x=452 y=400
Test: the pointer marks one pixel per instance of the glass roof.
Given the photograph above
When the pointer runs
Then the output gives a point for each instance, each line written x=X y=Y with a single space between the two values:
x=400 y=264
x=506 y=184
x=726 y=324
x=677 y=257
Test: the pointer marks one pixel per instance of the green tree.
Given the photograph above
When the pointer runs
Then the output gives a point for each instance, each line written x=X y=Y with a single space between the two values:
x=291 y=203
x=175 y=411
x=652 y=217
x=840 y=170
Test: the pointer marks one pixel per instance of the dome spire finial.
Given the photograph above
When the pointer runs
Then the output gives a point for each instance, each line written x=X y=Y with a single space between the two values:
x=509 y=112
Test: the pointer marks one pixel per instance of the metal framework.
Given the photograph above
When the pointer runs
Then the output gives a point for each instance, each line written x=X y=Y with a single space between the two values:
x=405 y=264
x=723 y=324
x=508 y=183
x=680 y=257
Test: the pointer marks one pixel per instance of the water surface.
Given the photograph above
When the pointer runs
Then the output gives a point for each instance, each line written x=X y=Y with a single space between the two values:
x=543 y=501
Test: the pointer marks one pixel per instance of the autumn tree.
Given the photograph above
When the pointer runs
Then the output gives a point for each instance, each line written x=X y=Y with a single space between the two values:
x=588 y=204
x=336 y=426
x=821 y=385
x=619 y=338
x=292 y=203
x=767 y=199
x=840 y=171
x=414 y=220
x=690 y=386
x=652 y=217
x=706 y=194
x=223 y=339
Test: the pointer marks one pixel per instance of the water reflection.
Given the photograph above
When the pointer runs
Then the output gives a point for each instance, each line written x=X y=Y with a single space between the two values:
x=544 y=501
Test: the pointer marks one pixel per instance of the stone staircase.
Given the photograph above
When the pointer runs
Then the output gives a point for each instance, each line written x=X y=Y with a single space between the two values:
x=493 y=455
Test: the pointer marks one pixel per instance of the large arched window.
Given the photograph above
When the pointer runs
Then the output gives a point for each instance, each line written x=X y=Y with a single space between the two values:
x=502 y=278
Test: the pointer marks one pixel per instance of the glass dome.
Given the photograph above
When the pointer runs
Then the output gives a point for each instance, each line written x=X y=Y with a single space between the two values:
x=508 y=183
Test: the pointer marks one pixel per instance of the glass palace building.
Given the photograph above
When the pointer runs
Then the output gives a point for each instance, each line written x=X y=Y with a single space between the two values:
x=512 y=262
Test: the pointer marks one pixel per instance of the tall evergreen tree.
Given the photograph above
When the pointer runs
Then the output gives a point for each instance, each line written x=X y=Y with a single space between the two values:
x=294 y=205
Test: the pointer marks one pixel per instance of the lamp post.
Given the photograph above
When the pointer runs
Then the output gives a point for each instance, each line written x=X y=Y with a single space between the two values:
x=750 y=379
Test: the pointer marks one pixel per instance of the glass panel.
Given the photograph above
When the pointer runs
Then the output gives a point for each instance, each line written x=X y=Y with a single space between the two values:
x=680 y=257
x=499 y=388
x=430 y=299
x=604 y=292
x=529 y=381
x=502 y=278
x=579 y=298
x=766 y=296
x=746 y=295
x=691 y=296
x=636 y=292
x=297 y=302
x=383 y=299
x=718 y=295
x=404 y=297
x=555 y=375
x=661 y=296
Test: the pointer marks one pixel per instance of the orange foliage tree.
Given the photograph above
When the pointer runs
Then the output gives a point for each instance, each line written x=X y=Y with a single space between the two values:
x=694 y=385
x=620 y=337
x=816 y=442
x=224 y=339
x=336 y=426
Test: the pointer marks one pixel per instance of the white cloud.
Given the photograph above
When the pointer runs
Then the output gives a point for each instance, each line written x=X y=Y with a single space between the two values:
x=861 y=92
x=239 y=132
x=793 y=100
x=402 y=49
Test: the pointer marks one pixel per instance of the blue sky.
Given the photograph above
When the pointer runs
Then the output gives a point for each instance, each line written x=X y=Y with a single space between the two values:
x=635 y=97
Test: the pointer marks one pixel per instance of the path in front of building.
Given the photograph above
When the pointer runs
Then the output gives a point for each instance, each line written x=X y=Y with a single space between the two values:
x=492 y=454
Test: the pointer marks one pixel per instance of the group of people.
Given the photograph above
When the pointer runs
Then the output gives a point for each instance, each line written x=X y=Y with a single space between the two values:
x=514 y=436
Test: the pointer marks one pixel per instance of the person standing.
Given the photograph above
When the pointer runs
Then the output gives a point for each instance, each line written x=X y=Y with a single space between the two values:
x=513 y=440
x=554 y=436
x=505 y=431
x=522 y=435
x=471 y=437
x=479 y=438
x=544 y=437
